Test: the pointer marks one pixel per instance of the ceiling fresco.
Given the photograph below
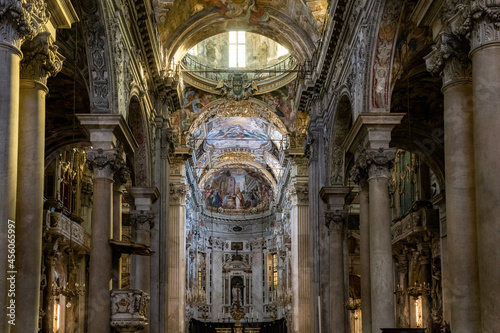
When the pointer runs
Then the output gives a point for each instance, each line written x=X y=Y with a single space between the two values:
x=237 y=132
x=184 y=23
x=237 y=191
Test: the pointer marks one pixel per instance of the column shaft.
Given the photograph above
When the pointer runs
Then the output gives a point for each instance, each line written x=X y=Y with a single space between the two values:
x=117 y=233
x=337 y=285
x=461 y=208
x=381 y=267
x=10 y=58
x=100 y=257
x=29 y=206
x=364 y=254
x=486 y=85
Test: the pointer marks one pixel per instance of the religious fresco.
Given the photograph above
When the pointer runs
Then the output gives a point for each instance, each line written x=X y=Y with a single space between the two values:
x=194 y=100
x=249 y=10
x=237 y=132
x=237 y=190
x=274 y=164
x=282 y=100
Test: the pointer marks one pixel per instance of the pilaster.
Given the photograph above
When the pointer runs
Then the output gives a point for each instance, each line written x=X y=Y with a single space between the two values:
x=178 y=192
x=298 y=195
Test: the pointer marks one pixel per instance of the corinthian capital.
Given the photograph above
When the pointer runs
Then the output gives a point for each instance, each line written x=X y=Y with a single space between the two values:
x=449 y=58
x=373 y=163
x=485 y=16
x=105 y=162
x=41 y=59
x=21 y=20
x=299 y=193
x=143 y=220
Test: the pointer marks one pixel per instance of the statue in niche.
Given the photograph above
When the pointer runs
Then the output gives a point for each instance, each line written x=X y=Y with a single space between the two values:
x=237 y=290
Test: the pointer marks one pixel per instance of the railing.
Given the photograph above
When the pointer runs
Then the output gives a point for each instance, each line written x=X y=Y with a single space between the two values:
x=71 y=231
x=191 y=65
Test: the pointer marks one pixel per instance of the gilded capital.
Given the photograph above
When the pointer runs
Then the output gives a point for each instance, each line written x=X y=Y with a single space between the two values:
x=40 y=59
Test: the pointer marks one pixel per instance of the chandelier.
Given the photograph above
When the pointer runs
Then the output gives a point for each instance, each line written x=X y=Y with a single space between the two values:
x=419 y=289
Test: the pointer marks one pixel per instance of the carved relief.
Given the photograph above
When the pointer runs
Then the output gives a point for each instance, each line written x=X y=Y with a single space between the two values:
x=97 y=55
x=128 y=310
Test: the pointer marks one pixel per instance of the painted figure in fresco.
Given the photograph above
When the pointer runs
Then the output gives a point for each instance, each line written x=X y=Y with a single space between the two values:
x=247 y=9
x=239 y=199
x=216 y=199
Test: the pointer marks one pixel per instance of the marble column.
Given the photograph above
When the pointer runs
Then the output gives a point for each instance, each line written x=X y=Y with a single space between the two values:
x=40 y=61
x=117 y=229
x=11 y=39
x=336 y=218
x=451 y=59
x=369 y=141
x=301 y=256
x=104 y=160
x=176 y=247
x=143 y=222
x=485 y=52
x=381 y=266
x=364 y=253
